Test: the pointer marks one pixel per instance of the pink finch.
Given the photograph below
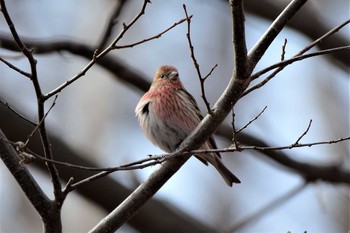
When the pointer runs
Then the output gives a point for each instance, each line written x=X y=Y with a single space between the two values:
x=168 y=114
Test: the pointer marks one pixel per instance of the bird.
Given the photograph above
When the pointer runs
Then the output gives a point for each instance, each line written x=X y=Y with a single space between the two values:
x=167 y=114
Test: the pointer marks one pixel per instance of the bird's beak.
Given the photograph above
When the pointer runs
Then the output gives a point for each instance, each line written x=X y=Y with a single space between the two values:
x=173 y=75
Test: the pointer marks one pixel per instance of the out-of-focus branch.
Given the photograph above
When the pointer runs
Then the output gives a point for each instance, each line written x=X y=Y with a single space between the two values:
x=111 y=23
x=268 y=207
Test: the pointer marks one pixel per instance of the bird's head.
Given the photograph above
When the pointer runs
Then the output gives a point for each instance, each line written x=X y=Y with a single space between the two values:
x=166 y=76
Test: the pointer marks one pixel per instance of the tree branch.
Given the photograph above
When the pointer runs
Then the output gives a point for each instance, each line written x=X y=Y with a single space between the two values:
x=40 y=103
x=281 y=65
x=310 y=172
x=30 y=187
x=279 y=23
x=120 y=70
x=196 y=65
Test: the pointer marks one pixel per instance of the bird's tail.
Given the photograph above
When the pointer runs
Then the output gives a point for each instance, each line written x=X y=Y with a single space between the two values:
x=226 y=174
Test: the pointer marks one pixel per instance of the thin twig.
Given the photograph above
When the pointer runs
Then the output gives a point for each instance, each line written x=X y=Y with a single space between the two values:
x=210 y=72
x=40 y=122
x=283 y=49
x=271 y=148
x=282 y=64
x=251 y=121
x=15 y=68
x=304 y=133
x=150 y=161
x=196 y=65
x=323 y=37
x=157 y=159
x=17 y=113
x=152 y=37
x=234 y=134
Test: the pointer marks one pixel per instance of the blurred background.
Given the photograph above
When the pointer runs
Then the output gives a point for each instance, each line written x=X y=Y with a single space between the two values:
x=93 y=121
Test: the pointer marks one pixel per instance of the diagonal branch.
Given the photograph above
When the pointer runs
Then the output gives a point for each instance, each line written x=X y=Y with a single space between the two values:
x=266 y=39
x=114 y=65
x=280 y=65
x=15 y=68
x=96 y=56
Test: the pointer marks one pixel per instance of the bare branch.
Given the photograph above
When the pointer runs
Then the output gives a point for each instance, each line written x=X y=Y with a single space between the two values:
x=140 y=196
x=242 y=63
x=268 y=148
x=283 y=50
x=282 y=64
x=100 y=55
x=210 y=72
x=196 y=65
x=316 y=42
x=251 y=121
x=40 y=123
x=325 y=36
x=17 y=113
x=113 y=64
x=27 y=183
x=303 y=134
x=112 y=46
x=153 y=37
x=279 y=23
x=15 y=68
x=40 y=103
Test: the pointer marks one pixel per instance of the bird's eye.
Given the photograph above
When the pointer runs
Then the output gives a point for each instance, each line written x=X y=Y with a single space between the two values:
x=162 y=76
